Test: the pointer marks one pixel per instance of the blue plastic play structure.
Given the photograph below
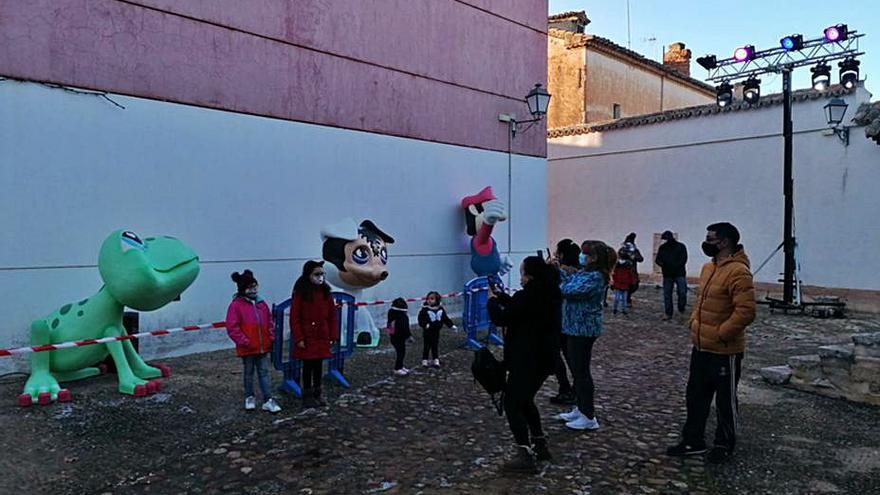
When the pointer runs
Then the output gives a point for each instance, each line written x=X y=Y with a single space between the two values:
x=292 y=368
x=475 y=317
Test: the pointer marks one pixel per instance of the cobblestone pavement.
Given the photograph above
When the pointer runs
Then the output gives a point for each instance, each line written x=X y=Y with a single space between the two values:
x=434 y=432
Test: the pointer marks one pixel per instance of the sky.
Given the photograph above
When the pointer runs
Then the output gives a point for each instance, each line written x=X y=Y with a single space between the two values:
x=706 y=28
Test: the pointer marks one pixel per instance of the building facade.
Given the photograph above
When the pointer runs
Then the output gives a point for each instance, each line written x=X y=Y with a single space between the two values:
x=593 y=79
x=244 y=131
x=684 y=169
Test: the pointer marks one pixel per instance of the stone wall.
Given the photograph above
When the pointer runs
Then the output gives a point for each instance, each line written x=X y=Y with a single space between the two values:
x=850 y=371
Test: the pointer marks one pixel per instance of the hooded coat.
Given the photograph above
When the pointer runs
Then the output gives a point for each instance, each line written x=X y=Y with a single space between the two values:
x=725 y=305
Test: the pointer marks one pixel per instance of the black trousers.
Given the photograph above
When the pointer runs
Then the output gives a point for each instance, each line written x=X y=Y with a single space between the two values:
x=712 y=375
x=431 y=342
x=580 y=353
x=519 y=405
x=561 y=370
x=311 y=373
x=400 y=350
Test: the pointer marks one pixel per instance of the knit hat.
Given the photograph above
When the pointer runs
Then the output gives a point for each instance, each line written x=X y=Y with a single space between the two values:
x=667 y=235
x=243 y=280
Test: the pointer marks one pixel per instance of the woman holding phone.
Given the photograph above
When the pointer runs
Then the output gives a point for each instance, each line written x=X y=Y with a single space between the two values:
x=531 y=344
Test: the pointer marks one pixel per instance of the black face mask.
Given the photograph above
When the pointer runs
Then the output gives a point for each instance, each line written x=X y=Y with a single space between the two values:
x=710 y=250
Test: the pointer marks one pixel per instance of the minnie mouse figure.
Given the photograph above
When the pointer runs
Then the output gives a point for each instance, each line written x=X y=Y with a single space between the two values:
x=482 y=211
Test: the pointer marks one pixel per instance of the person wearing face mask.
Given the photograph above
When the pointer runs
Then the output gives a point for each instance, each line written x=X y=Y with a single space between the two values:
x=313 y=328
x=725 y=307
x=583 y=291
x=249 y=324
x=672 y=260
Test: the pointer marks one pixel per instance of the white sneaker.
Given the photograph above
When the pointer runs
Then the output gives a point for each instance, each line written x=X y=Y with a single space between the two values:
x=425 y=363
x=572 y=415
x=406 y=371
x=583 y=423
x=250 y=403
x=400 y=372
x=436 y=363
x=271 y=406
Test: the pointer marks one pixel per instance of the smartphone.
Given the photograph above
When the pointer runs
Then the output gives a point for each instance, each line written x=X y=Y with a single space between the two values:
x=540 y=254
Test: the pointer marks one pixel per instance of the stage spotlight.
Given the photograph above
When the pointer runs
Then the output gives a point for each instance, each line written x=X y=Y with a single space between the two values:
x=724 y=94
x=752 y=90
x=821 y=76
x=708 y=62
x=744 y=53
x=791 y=43
x=849 y=73
x=836 y=33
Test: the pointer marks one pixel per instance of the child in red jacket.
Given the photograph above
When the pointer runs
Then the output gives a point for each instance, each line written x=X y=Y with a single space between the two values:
x=622 y=278
x=249 y=324
x=313 y=328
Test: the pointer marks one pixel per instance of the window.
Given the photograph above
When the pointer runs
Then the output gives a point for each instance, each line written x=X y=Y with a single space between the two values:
x=615 y=111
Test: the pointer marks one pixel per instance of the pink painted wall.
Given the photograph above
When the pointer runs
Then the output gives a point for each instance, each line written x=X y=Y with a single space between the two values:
x=439 y=70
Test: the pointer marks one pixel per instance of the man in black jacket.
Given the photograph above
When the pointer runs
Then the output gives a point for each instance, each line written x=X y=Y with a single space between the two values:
x=672 y=258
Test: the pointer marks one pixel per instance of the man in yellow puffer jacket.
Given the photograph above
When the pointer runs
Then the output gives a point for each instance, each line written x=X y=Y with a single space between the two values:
x=725 y=307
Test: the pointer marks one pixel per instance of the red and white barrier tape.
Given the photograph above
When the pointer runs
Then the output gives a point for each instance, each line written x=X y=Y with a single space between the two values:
x=407 y=299
x=168 y=331
x=82 y=343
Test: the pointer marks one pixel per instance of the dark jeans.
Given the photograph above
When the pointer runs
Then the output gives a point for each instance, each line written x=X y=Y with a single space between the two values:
x=311 y=373
x=561 y=370
x=580 y=352
x=431 y=342
x=712 y=375
x=681 y=289
x=519 y=405
x=400 y=349
x=260 y=362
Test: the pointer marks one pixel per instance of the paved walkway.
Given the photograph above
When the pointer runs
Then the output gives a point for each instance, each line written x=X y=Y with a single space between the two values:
x=434 y=432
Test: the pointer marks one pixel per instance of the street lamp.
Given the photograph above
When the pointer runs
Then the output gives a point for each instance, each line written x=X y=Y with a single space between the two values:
x=834 y=112
x=538 y=100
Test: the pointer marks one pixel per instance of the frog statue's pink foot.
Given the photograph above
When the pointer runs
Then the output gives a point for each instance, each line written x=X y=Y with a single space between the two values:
x=166 y=371
x=154 y=386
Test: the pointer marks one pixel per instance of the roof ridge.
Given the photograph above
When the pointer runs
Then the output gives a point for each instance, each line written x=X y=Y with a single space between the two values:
x=694 y=111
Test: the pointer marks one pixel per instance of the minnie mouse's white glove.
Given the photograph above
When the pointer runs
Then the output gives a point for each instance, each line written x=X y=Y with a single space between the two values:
x=506 y=265
x=494 y=211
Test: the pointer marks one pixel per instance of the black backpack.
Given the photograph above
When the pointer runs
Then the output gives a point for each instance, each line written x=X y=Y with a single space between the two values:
x=490 y=374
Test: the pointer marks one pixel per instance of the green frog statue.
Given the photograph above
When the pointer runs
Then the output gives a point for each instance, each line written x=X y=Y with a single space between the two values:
x=142 y=274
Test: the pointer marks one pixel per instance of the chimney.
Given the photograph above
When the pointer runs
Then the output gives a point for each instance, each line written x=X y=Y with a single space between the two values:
x=678 y=57
x=574 y=22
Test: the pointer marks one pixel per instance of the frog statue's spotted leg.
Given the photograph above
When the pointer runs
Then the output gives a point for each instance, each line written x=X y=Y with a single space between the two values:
x=141 y=274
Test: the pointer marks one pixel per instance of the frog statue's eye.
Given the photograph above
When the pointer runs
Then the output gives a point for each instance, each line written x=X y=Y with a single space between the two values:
x=383 y=255
x=130 y=240
x=361 y=255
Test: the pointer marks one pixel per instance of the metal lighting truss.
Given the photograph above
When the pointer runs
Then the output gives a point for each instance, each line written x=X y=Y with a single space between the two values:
x=779 y=60
x=775 y=59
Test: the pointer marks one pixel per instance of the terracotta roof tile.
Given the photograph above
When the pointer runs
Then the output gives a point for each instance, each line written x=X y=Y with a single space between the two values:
x=691 y=112
x=580 y=15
